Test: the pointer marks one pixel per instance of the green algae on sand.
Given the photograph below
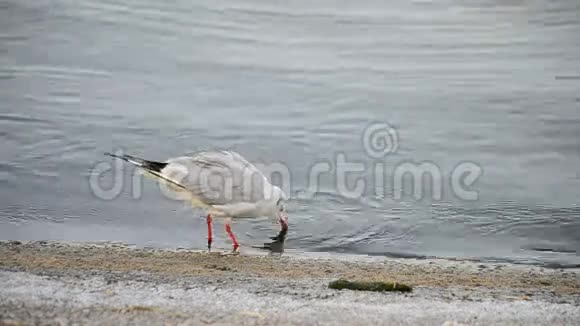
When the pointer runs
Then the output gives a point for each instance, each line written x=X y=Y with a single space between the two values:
x=369 y=286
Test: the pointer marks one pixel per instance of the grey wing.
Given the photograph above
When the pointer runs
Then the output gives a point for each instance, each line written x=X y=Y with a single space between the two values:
x=218 y=178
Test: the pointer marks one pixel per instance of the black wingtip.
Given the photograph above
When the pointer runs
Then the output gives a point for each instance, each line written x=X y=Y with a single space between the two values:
x=115 y=156
x=146 y=164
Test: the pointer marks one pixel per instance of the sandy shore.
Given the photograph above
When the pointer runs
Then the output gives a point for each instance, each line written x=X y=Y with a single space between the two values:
x=67 y=283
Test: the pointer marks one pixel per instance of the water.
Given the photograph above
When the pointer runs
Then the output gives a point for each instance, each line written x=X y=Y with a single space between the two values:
x=490 y=82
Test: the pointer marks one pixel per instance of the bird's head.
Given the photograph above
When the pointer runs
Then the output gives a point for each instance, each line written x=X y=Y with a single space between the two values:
x=280 y=198
x=277 y=208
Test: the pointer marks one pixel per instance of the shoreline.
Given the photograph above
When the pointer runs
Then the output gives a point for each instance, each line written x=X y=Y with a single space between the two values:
x=124 y=284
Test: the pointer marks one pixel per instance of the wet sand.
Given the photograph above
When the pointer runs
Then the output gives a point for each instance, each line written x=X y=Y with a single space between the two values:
x=96 y=283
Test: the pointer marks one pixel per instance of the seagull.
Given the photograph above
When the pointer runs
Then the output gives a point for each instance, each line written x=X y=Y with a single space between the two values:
x=226 y=185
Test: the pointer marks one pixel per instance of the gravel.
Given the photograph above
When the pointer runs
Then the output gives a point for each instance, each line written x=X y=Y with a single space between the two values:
x=228 y=290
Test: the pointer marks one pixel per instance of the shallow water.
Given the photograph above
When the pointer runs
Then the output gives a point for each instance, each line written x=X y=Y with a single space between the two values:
x=494 y=83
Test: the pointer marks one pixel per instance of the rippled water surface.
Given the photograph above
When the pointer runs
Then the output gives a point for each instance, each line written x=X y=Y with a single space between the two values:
x=495 y=83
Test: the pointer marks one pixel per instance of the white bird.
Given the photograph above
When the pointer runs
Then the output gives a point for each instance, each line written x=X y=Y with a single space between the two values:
x=226 y=185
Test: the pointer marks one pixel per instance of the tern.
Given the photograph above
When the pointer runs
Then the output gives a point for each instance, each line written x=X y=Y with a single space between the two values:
x=226 y=185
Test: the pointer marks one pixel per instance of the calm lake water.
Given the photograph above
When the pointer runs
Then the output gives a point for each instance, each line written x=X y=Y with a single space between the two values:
x=495 y=83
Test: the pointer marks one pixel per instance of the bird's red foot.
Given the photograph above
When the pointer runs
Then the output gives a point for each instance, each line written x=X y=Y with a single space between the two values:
x=234 y=252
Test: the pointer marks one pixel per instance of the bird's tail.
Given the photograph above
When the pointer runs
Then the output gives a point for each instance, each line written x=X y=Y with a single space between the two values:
x=153 y=168
x=145 y=164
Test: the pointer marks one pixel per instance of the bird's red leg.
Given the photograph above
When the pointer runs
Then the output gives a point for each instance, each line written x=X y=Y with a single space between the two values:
x=209 y=232
x=232 y=236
